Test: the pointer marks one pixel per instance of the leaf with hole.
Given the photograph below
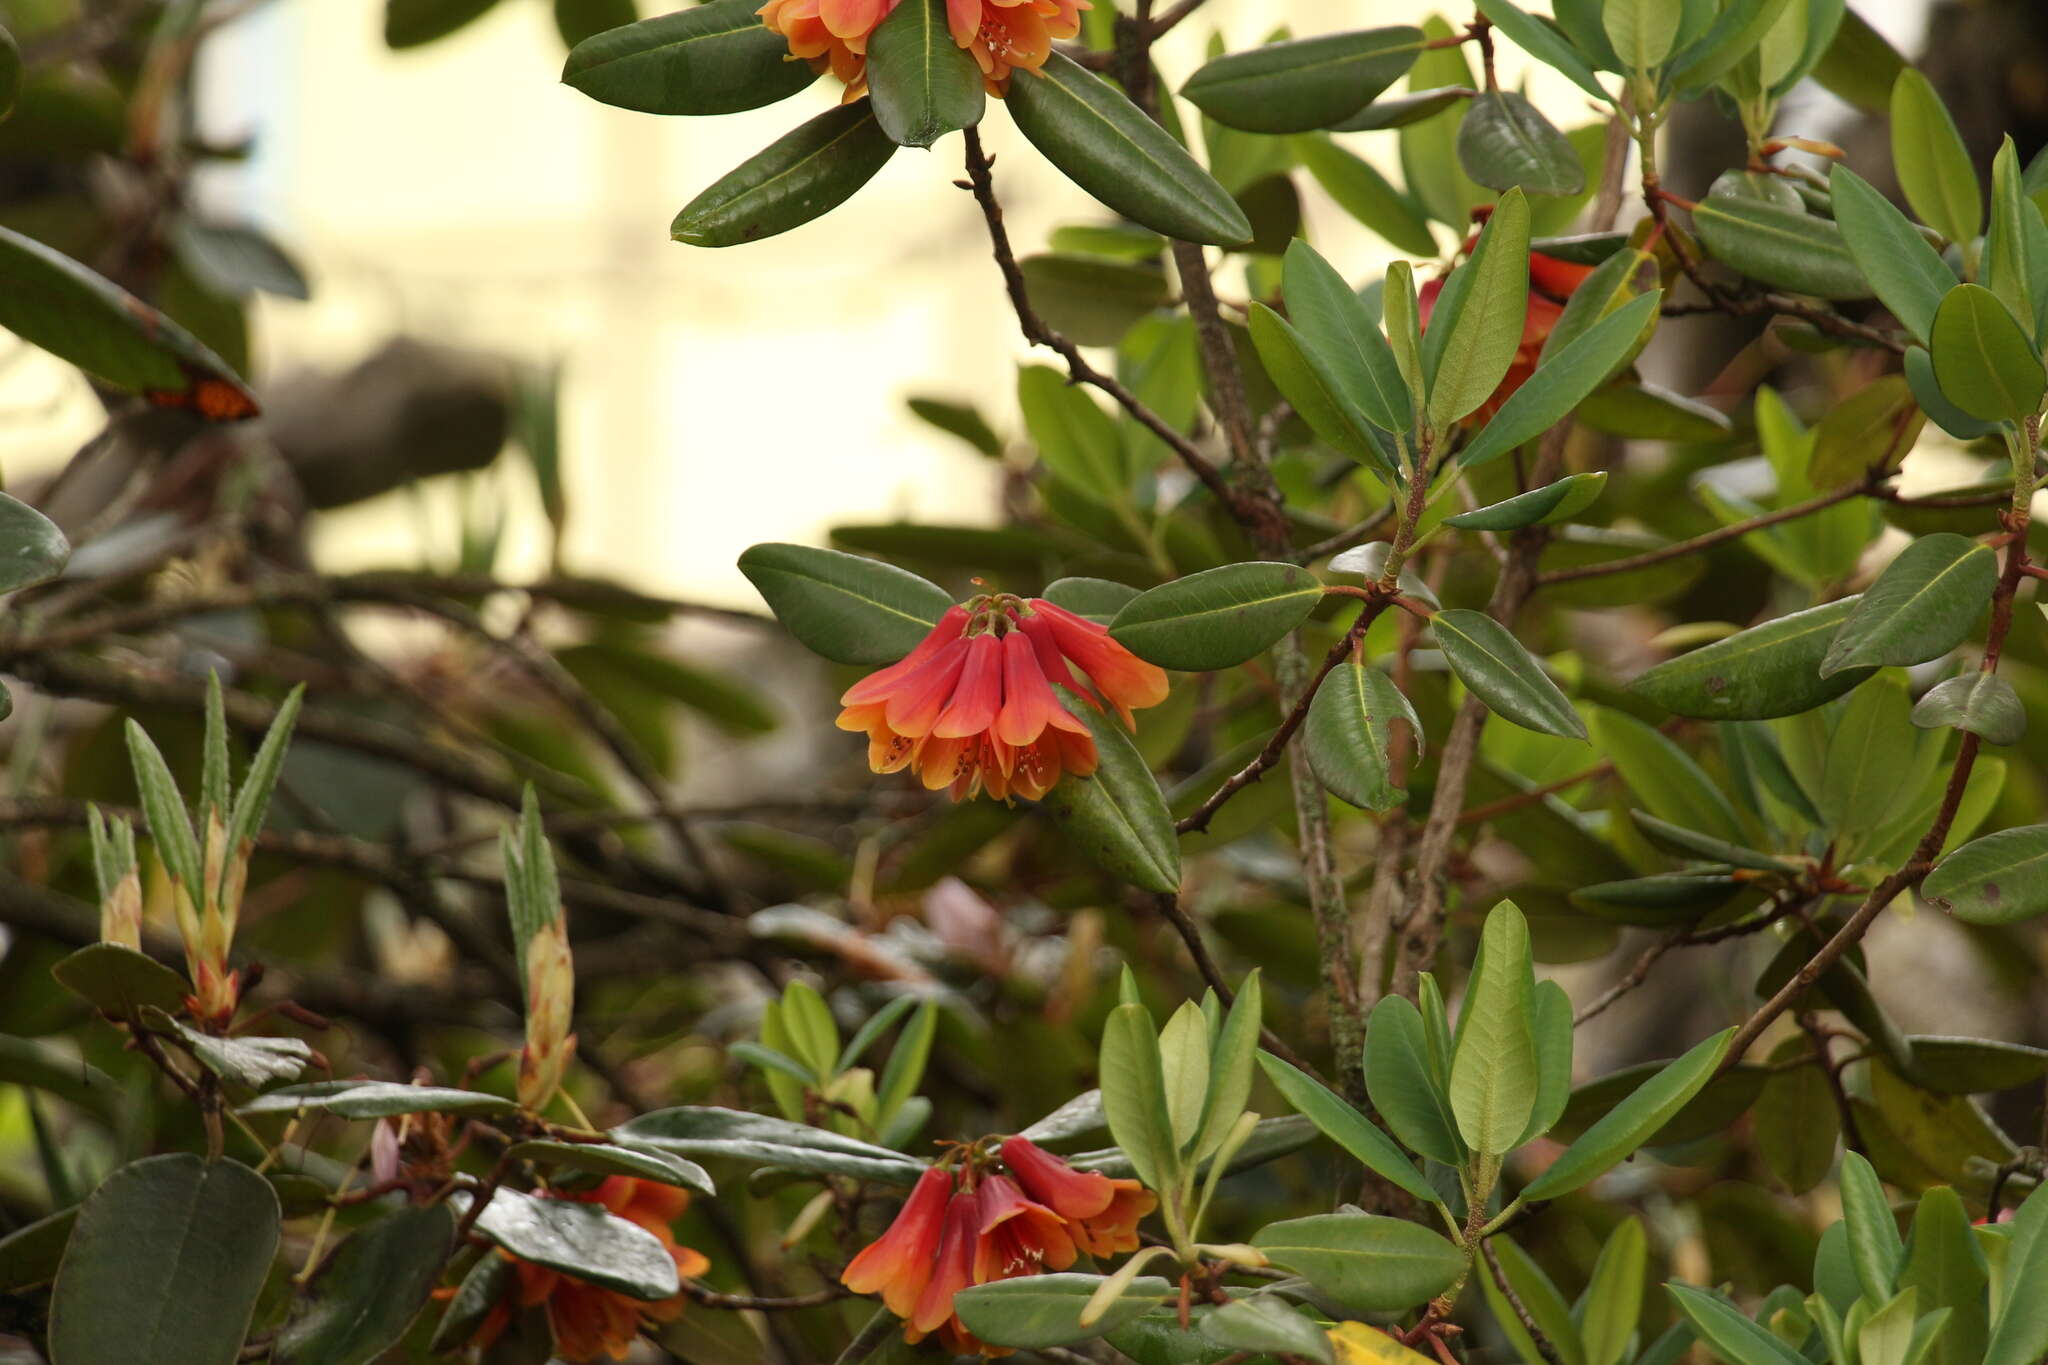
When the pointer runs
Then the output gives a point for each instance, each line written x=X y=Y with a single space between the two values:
x=1349 y=735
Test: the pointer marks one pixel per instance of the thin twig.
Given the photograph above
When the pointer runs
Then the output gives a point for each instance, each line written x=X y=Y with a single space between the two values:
x=1542 y=1343
x=1682 y=548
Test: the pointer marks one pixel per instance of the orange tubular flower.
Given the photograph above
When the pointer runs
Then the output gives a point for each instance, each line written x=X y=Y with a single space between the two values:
x=898 y=1264
x=952 y=1270
x=973 y=707
x=1551 y=282
x=1103 y=1213
x=1001 y=35
x=591 y=1323
x=1018 y=1236
x=1115 y=1229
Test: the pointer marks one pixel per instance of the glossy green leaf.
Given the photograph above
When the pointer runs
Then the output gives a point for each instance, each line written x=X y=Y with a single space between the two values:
x=1477 y=326
x=1349 y=735
x=1983 y=359
x=1033 y=1312
x=49 y=300
x=1617 y=278
x=1429 y=147
x=1401 y=110
x=1908 y=276
x=1217 y=618
x=1504 y=142
x=2019 y=1329
x=581 y=1239
x=1134 y=1100
x=1094 y=302
x=1918 y=365
x=1267 y=1324
x=1345 y=340
x=1361 y=191
x=487 y=1284
x=1117 y=816
x=165 y=1264
x=1875 y=1247
x=576 y=20
x=1076 y=440
x=1493 y=1067
x=1642 y=32
x=2016 y=248
x=1797 y=1120
x=1500 y=672
x=1946 y=1269
x=1733 y=1337
x=850 y=609
x=1545 y=1307
x=1614 y=1296
x=378 y=1099
x=1859 y=65
x=244 y=1060
x=1554 y=502
x=1998 y=879
x=1868 y=434
x=1687 y=843
x=1346 y=1127
x=802 y=175
x=366 y=1294
x=1969 y=1066
x=32 y=549
x=1366 y=1263
x=1924 y=604
x=924 y=85
x=717 y=58
x=1765 y=671
x=1648 y=412
x=1931 y=161
x=1227 y=1082
x=1787 y=248
x=1410 y=1094
x=704 y=1132
x=608 y=1158
x=963 y=420
x=1667 y=898
x=1632 y=1122
x=1098 y=599
x=1563 y=381
x=1740 y=30
x=1983 y=704
x=1312 y=388
x=1304 y=83
x=1664 y=777
x=1550 y=1015
x=1106 y=145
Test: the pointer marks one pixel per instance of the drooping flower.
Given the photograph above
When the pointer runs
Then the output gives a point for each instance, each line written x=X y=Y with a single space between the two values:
x=1001 y=35
x=1018 y=1236
x=952 y=1271
x=1551 y=282
x=972 y=707
x=591 y=1323
x=1103 y=1213
x=898 y=1264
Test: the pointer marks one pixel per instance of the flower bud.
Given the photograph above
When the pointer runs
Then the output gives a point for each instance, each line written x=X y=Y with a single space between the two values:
x=550 y=1004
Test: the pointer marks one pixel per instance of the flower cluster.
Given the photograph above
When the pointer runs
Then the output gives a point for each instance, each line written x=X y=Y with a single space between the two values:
x=591 y=1322
x=988 y=1221
x=973 y=706
x=1551 y=282
x=1001 y=35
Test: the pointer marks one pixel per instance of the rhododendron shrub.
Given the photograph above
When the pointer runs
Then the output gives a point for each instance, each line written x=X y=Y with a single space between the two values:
x=1474 y=794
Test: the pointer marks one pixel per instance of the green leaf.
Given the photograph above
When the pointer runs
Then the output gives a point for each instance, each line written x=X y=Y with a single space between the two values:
x=1859 y=65
x=165 y=1264
x=963 y=420
x=1647 y=412
x=1184 y=1069
x=1787 y=248
x=1869 y=432
x=1477 y=328
x=606 y=1158
x=120 y=981
x=1554 y=502
x=49 y=300
x=802 y=175
x=1361 y=191
x=1543 y=42
x=1931 y=161
x=1117 y=816
x=1106 y=145
x=1766 y=671
x=1493 y=1069
x=252 y=802
x=1505 y=142
x=1366 y=1263
x=1797 y=1121
x=245 y=1061
x=1500 y=672
x=377 y=1100
x=1908 y=276
x=366 y=1294
x=1688 y=843
x=2016 y=249
x=29 y=1255
x=1134 y=1097
x=1098 y=599
x=1919 y=367
x=1219 y=617
x=1228 y=1085
x=1563 y=381
x=486 y=1285
x=1875 y=1247
x=1267 y=1323
x=1076 y=440
x=415 y=23
x=850 y=609
x=705 y=1132
x=1429 y=147
x=1740 y=30
x=1305 y=83
x=1033 y=1312
x=1664 y=776
x=1655 y=901
x=1551 y=1021
x=1946 y=1269
x=236 y=261
x=1626 y=1126
x=1983 y=359
x=1734 y=1337
x=1540 y=1298
x=581 y=1239
x=1967 y=1066
x=924 y=85
x=1641 y=31
x=1924 y=604
x=163 y=808
x=1345 y=341
x=576 y=20
x=716 y=58
x=1346 y=1127
x=1313 y=391
x=1998 y=879
x=2019 y=1332
x=1349 y=735
x=1094 y=302
x=1983 y=704
x=1401 y=110
x=32 y=549
x=10 y=73
x=1409 y=1092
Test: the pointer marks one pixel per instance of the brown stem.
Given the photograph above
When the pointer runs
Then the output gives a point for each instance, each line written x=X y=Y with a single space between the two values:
x=1544 y=1346
x=1191 y=934
x=1681 y=549
x=1823 y=1051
